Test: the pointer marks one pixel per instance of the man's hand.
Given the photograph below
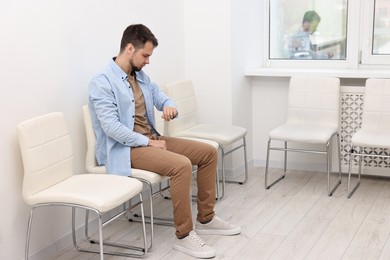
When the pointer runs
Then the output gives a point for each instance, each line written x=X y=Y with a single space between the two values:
x=158 y=144
x=169 y=113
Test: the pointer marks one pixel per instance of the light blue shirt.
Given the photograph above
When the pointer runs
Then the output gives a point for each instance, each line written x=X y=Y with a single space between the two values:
x=300 y=45
x=112 y=108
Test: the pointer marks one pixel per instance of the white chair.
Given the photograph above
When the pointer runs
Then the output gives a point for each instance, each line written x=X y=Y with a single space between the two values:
x=150 y=179
x=186 y=125
x=375 y=130
x=313 y=118
x=49 y=179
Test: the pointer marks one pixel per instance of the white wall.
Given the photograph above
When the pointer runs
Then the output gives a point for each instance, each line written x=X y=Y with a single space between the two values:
x=220 y=43
x=208 y=57
x=49 y=51
x=246 y=52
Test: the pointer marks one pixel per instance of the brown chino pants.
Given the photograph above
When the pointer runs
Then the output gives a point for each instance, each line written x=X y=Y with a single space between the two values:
x=176 y=162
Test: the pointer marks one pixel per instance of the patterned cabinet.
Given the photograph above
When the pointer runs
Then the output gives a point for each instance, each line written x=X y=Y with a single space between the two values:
x=352 y=100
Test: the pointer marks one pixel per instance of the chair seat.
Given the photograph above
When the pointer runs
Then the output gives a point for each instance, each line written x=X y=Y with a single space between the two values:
x=151 y=177
x=210 y=142
x=303 y=133
x=82 y=189
x=225 y=135
x=371 y=138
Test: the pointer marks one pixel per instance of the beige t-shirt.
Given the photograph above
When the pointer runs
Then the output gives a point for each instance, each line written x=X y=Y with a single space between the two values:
x=141 y=125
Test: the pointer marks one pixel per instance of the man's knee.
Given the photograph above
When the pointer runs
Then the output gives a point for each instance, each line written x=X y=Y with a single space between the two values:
x=182 y=166
x=213 y=151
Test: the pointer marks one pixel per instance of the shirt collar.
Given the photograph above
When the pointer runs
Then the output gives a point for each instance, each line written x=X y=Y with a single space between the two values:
x=117 y=70
x=123 y=75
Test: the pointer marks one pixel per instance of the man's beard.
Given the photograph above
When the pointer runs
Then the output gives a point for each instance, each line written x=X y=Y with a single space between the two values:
x=133 y=67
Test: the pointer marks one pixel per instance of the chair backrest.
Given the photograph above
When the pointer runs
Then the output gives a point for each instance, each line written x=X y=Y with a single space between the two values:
x=376 y=107
x=90 y=161
x=182 y=92
x=47 y=154
x=159 y=122
x=314 y=100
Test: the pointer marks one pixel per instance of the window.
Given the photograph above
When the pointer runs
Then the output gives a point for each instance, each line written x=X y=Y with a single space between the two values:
x=308 y=29
x=328 y=33
x=376 y=33
x=381 y=42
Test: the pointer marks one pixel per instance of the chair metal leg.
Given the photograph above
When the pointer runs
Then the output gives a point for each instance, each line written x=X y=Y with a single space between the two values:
x=152 y=219
x=267 y=165
x=136 y=218
x=221 y=194
x=285 y=159
x=217 y=183
x=332 y=188
x=243 y=145
x=245 y=161
x=143 y=250
x=339 y=154
x=360 y=154
x=30 y=219
x=350 y=191
x=222 y=172
x=101 y=252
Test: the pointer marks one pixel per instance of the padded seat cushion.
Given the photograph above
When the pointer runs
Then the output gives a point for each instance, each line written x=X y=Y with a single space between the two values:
x=225 y=135
x=151 y=177
x=100 y=191
x=371 y=138
x=316 y=134
x=210 y=142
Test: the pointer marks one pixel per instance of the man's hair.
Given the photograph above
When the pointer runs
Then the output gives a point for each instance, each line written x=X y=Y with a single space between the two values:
x=311 y=16
x=138 y=35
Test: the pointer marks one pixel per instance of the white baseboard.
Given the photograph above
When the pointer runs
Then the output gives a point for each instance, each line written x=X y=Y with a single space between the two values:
x=236 y=172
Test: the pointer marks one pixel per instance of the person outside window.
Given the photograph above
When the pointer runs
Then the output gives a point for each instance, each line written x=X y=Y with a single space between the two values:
x=300 y=44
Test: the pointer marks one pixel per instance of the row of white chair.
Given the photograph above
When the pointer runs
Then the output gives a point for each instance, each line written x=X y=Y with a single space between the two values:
x=313 y=118
x=49 y=179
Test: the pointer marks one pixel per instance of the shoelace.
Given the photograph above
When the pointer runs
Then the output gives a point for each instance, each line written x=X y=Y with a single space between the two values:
x=194 y=237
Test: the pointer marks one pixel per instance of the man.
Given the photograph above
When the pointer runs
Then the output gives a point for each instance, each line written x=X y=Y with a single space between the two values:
x=121 y=102
x=300 y=42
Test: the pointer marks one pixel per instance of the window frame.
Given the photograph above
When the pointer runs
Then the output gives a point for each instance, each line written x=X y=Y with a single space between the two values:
x=367 y=39
x=358 y=44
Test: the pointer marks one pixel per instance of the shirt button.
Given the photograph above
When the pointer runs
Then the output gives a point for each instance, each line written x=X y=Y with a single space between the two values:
x=133 y=116
x=132 y=100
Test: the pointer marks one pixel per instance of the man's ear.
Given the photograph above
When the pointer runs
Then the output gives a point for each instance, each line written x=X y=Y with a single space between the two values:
x=130 y=49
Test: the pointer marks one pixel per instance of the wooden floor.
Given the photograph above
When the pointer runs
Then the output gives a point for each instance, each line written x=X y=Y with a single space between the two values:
x=295 y=219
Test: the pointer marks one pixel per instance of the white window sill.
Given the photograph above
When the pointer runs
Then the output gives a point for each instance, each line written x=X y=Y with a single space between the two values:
x=339 y=73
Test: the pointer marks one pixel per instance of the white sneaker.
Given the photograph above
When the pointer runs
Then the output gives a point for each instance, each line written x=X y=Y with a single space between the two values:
x=194 y=246
x=217 y=226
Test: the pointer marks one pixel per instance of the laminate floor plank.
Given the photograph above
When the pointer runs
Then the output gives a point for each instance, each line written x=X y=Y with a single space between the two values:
x=294 y=219
x=335 y=240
